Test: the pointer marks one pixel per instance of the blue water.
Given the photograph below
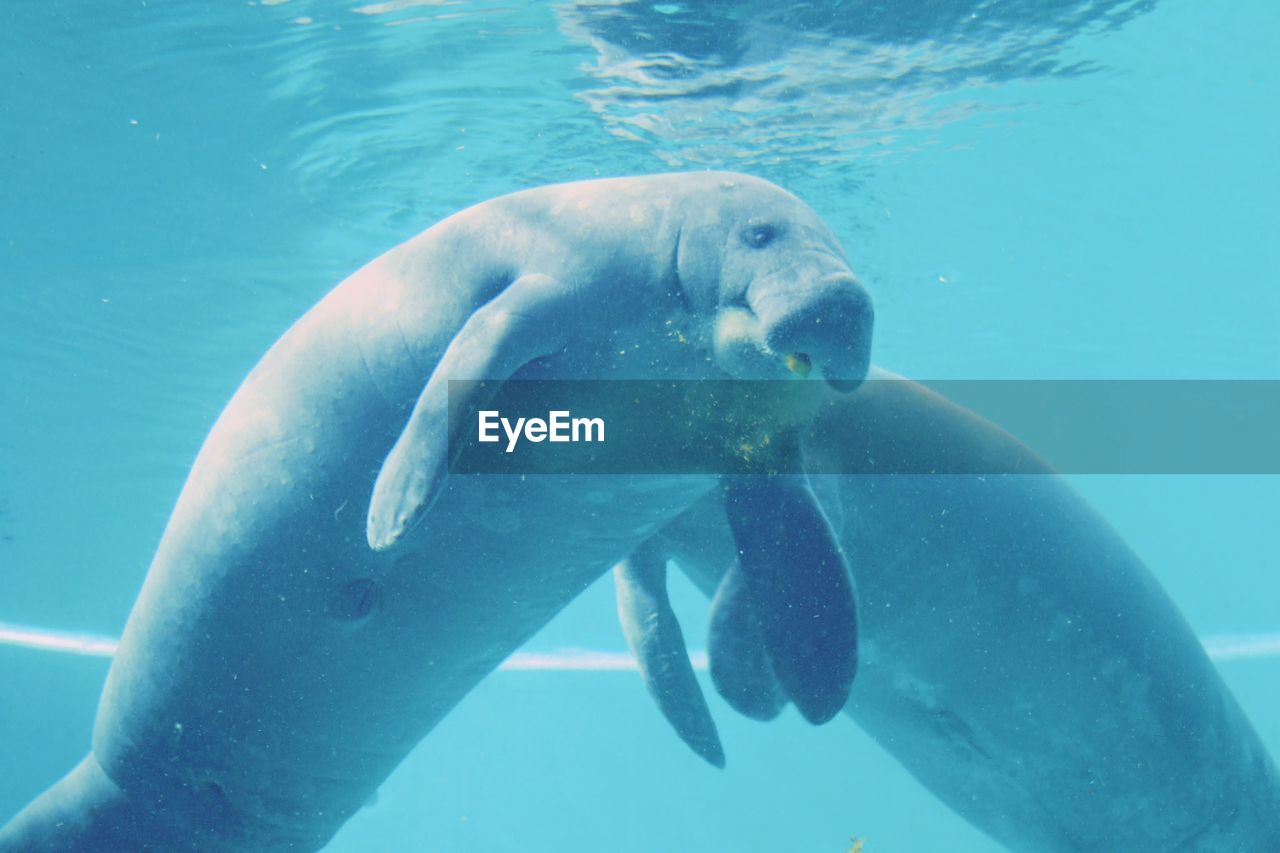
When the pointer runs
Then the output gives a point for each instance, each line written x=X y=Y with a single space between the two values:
x=1032 y=190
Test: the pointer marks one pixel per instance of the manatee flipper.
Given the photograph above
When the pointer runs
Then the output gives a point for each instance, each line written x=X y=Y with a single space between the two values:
x=657 y=643
x=800 y=589
x=740 y=667
x=522 y=323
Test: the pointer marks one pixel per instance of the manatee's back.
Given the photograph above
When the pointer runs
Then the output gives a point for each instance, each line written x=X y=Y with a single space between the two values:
x=269 y=523
x=1024 y=664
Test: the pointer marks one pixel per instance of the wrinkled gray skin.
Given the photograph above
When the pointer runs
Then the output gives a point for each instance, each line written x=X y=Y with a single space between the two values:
x=275 y=669
x=1015 y=655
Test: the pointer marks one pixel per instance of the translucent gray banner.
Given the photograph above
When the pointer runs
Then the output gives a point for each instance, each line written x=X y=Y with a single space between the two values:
x=885 y=427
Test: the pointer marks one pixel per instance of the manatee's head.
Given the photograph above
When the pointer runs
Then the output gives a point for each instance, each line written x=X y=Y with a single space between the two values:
x=775 y=281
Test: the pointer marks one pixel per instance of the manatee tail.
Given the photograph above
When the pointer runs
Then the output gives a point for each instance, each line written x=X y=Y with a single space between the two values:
x=85 y=812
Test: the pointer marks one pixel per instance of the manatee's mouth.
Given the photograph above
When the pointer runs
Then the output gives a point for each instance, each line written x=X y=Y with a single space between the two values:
x=743 y=349
x=814 y=326
x=801 y=365
x=844 y=386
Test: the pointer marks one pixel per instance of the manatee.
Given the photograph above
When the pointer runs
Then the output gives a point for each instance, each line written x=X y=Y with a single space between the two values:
x=1016 y=655
x=325 y=591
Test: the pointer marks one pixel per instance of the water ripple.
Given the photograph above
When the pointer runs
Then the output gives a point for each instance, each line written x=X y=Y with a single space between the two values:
x=825 y=83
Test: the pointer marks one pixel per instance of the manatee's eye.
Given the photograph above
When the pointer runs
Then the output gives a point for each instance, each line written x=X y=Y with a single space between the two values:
x=759 y=235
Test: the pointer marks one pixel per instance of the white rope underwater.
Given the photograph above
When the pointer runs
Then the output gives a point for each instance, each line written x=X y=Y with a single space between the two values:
x=96 y=645
x=1221 y=648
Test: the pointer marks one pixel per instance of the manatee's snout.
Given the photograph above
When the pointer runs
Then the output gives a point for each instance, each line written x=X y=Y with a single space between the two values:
x=824 y=326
